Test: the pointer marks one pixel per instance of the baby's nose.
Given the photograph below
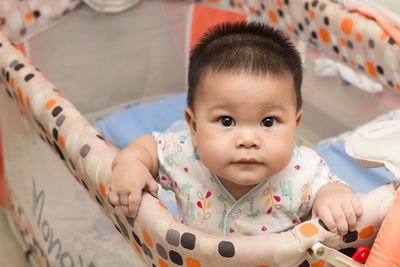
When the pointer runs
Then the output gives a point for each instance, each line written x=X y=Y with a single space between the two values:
x=248 y=139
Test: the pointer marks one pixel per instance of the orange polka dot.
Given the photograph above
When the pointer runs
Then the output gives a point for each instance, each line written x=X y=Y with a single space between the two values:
x=161 y=205
x=147 y=238
x=383 y=36
x=290 y=28
x=102 y=190
x=107 y=144
x=397 y=86
x=359 y=37
x=352 y=63
x=20 y=96
x=190 y=262
x=61 y=95
x=324 y=35
x=367 y=232
x=342 y=41
x=319 y=263
x=239 y=5
x=61 y=141
x=30 y=230
x=280 y=4
x=308 y=229
x=28 y=16
x=50 y=103
x=213 y=1
x=252 y=10
x=312 y=14
x=19 y=220
x=272 y=16
x=12 y=82
x=137 y=247
x=28 y=101
x=162 y=263
x=371 y=69
x=347 y=25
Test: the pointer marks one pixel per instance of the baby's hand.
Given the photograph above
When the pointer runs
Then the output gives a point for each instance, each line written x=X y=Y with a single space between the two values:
x=338 y=207
x=125 y=186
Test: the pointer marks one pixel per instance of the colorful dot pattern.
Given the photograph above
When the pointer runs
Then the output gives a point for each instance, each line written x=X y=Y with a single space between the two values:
x=337 y=32
x=160 y=241
x=19 y=18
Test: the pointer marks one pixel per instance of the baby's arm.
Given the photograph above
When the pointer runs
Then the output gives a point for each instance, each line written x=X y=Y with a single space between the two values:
x=338 y=207
x=134 y=169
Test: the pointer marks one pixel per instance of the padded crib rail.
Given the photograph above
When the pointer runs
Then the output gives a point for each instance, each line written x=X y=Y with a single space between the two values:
x=355 y=38
x=155 y=234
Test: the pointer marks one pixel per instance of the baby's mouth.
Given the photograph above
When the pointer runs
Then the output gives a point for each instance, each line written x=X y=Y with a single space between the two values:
x=247 y=161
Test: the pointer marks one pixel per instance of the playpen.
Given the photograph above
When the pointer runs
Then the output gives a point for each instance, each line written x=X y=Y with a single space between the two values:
x=45 y=141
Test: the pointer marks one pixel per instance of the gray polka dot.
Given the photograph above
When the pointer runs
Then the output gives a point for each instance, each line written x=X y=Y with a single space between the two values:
x=173 y=237
x=84 y=150
x=147 y=251
x=161 y=251
x=60 y=120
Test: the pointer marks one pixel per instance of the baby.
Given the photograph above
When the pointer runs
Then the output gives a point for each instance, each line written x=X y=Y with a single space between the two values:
x=238 y=170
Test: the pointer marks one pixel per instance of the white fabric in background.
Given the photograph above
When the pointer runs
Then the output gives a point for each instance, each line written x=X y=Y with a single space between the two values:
x=325 y=67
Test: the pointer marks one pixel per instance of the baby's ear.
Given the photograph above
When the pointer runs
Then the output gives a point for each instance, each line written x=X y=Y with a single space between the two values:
x=299 y=117
x=191 y=121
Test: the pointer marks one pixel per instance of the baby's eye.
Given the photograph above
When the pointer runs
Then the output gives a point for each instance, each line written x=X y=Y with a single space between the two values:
x=226 y=121
x=268 y=122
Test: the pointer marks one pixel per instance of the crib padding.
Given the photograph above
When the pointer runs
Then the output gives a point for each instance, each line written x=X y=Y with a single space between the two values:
x=156 y=236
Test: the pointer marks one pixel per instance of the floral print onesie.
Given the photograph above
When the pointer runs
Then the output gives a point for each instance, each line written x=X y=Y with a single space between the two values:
x=276 y=204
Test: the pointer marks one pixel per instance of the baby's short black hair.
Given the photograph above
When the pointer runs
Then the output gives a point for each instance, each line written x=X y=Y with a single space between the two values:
x=252 y=47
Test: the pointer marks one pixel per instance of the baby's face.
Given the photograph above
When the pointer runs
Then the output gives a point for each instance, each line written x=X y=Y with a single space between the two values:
x=244 y=125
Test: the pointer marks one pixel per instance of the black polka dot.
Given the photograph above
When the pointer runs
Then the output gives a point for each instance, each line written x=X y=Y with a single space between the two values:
x=226 y=249
x=344 y=59
x=232 y=3
x=161 y=251
x=314 y=35
x=371 y=43
x=7 y=76
x=286 y=2
x=307 y=21
x=59 y=152
x=304 y=264
x=390 y=83
x=326 y=21
x=55 y=134
x=322 y=7
x=314 y=3
x=306 y=6
x=85 y=185
x=379 y=69
x=29 y=76
x=349 y=44
x=22 y=31
x=36 y=13
x=300 y=26
x=361 y=67
x=147 y=251
x=19 y=66
x=57 y=110
x=258 y=12
x=391 y=41
x=188 y=240
x=84 y=150
x=262 y=6
x=336 y=49
x=175 y=257
x=350 y=237
x=348 y=251
x=280 y=13
x=130 y=220
x=98 y=200
x=323 y=225
x=72 y=165
x=173 y=237
x=122 y=227
x=137 y=239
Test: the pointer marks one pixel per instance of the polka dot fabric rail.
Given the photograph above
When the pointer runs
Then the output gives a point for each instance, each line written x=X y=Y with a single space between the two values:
x=339 y=32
